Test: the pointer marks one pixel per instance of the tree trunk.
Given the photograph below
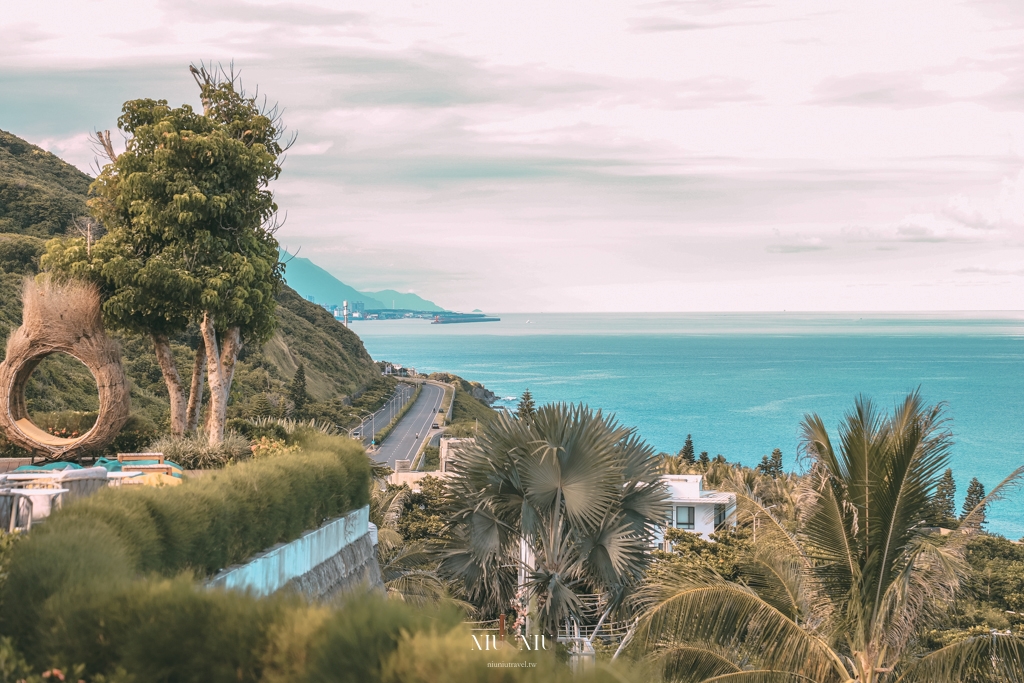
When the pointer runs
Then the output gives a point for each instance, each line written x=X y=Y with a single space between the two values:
x=195 y=396
x=173 y=381
x=220 y=367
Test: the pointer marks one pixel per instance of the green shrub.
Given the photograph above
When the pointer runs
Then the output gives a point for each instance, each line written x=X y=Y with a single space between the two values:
x=136 y=435
x=255 y=432
x=194 y=452
x=164 y=630
x=358 y=639
x=199 y=527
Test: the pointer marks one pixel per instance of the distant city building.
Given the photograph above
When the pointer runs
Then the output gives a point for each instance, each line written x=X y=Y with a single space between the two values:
x=310 y=299
x=358 y=307
x=693 y=508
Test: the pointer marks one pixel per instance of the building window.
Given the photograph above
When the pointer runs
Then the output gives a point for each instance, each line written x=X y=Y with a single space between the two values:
x=719 y=515
x=684 y=518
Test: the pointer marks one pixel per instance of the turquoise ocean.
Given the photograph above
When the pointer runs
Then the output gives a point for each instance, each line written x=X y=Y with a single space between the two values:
x=741 y=383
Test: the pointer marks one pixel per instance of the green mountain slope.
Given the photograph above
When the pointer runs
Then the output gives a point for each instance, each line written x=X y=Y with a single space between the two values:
x=393 y=299
x=309 y=279
x=336 y=363
x=39 y=194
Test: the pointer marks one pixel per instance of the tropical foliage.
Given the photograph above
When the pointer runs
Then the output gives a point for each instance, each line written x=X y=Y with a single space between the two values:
x=579 y=492
x=847 y=587
x=189 y=221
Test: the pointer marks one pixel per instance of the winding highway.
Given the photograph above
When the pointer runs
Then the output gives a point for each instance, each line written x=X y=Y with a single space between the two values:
x=403 y=443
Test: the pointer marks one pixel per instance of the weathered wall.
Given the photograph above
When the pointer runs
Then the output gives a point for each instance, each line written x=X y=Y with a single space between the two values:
x=320 y=563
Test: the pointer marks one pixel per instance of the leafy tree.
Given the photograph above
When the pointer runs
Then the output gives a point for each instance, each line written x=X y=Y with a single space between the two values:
x=975 y=496
x=776 y=464
x=260 y=406
x=705 y=461
x=686 y=453
x=765 y=466
x=571 y=502
x=189 y=221
x=844 y=598
x=297 y=388
x=526 y=408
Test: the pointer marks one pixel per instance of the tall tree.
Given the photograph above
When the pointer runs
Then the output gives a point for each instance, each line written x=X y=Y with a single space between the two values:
x=705 y=461
x=572 y=501
x=842 y=599
x=776 y=464
x=526 y=408
x=972 y=503
x=190 y=222
x=942 y=511
x=686 y=453
x=297 y=388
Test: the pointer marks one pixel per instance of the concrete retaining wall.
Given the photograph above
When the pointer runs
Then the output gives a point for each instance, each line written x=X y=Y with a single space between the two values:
x=320 y=563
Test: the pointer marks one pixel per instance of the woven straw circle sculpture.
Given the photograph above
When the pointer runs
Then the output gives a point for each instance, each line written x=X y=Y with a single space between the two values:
x=62 y=318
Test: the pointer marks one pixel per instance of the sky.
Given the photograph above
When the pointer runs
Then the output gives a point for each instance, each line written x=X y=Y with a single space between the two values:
x=525 y=155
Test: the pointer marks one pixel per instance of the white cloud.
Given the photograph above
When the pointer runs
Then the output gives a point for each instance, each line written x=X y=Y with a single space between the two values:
x=692 y=154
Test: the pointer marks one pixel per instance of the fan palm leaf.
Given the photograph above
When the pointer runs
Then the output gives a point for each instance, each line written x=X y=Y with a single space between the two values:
x=580 y=491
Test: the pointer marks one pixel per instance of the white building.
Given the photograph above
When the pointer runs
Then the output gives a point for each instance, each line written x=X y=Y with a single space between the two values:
x=693 y=508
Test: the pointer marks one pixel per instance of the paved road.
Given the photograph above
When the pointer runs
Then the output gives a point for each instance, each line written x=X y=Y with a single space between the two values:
x=402 y=443
x=366 y=430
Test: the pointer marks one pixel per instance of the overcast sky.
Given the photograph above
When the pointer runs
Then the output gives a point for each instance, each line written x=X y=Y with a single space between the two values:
x=552 y=156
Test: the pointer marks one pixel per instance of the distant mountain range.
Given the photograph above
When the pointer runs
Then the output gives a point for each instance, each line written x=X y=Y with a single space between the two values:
x=310 y=280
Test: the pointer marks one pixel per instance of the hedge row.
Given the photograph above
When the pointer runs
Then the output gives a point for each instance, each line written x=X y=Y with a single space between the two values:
x=169 y=630
x=111 y=539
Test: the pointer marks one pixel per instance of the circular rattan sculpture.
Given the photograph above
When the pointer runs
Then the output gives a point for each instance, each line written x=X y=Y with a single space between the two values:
x=62 y=318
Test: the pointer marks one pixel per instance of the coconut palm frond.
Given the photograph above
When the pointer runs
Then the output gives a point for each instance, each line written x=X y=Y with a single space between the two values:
x=693 y=664
x=761 y=676
x=731 y=617
x=394 y=509
x=973 y=519
x=928 y=580
x=997 y=657
x=777 y=578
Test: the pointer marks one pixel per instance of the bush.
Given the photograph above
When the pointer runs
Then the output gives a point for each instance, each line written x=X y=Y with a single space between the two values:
x=255 y=432
x=268 y=448
x=357 y=641
x=138 y=432
x=194 y=452
x=165 y=630
x=199 y=527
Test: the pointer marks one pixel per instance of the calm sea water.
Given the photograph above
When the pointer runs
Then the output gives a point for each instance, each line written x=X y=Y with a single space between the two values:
x=740 y=383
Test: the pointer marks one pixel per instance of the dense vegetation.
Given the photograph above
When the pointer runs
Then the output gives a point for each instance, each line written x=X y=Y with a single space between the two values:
x=836 y=575
x=40 y=195
x=62 y=394
x=119 y=535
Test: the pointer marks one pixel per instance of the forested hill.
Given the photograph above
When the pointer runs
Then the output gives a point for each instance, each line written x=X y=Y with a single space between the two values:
x=40 y=195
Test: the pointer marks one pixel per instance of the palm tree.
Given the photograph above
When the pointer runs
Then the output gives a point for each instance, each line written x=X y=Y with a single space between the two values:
x=408 y=570
x=843 y=598
x=564 y=504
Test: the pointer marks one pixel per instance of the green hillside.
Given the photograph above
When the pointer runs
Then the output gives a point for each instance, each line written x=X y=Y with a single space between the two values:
x=336 y=363
x=39 y=194
x=309 y=279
